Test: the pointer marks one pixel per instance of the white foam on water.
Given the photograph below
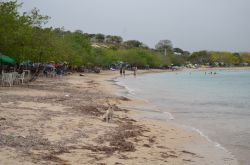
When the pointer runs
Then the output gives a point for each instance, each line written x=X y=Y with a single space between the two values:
x=119 y=83
x=169 y=115
x=130 y=91
x=209 y=140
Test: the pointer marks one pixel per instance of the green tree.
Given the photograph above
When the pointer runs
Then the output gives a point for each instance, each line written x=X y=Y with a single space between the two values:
x=165 y=46
x=132 y=44
x=99 y=37
x=245 y=57
x=178 y=50
x=116 y=40
x=16 y=29
x=225 y=58
x=200 y=57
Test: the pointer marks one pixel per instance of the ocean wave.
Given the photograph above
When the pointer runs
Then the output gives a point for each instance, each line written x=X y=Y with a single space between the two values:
x=127 y=89
x=216 y=144
x=169 y=115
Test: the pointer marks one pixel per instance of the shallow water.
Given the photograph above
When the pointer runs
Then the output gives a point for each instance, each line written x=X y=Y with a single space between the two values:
x=216 y=105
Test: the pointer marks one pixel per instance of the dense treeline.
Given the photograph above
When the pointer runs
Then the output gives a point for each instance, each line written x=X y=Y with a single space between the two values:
x=220 y=58
x=23 y=37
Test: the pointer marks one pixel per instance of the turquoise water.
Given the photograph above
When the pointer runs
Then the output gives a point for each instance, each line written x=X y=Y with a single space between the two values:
x=217 y=105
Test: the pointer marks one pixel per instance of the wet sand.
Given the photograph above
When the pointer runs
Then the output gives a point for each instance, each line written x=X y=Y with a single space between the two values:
x=60 y=121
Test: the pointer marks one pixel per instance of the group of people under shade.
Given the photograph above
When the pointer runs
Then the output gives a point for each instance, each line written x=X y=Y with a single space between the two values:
x=122 y=70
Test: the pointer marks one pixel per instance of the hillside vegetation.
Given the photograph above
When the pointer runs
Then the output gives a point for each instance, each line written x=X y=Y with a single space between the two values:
x=23 y=36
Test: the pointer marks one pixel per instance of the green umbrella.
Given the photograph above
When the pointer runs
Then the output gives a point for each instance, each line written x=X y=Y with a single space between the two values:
x=6 y=59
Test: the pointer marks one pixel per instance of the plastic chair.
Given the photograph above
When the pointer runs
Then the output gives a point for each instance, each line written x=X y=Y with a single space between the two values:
x=21 y=77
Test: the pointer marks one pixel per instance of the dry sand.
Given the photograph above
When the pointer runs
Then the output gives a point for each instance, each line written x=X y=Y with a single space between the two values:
x=60 y=121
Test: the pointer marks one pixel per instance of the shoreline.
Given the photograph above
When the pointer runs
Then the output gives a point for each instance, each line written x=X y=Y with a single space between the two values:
x=188 y=128
x=59 y=121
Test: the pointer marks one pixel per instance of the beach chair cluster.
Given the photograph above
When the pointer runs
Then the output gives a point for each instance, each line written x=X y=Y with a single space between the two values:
x=13 y=78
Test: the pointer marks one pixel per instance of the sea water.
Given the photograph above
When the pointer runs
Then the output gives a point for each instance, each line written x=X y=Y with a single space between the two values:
x=217 y=105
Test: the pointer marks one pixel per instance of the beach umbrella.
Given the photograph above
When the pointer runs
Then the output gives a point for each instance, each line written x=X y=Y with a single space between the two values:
x=6 y=59
x=50 y=66
x=58 y=65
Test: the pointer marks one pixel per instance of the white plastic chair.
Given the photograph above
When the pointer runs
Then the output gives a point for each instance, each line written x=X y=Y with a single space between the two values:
x=15 y=76
x=7 y=78
x=21 y=77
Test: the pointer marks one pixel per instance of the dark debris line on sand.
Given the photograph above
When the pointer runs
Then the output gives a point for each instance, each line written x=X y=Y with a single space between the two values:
x=48 y=151
x=26 y=144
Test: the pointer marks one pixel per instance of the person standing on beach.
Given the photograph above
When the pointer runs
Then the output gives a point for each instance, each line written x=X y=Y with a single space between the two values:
x=123 y=71
x=135 y=70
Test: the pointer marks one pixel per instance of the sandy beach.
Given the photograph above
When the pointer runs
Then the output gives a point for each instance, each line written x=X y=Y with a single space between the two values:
x=60 y=121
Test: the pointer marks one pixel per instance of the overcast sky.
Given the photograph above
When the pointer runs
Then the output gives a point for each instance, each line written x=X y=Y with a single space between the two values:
x=190 y=24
